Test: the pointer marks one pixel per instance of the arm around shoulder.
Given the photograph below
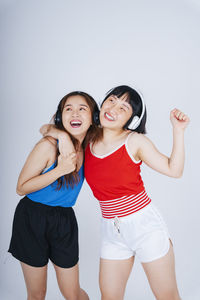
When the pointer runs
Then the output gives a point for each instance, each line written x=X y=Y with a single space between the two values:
x=65 y=143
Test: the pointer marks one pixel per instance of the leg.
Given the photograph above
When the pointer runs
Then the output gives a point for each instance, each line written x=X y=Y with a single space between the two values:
x=68 y=281
x=113 y=277
x=161 y=277
x=36 y=281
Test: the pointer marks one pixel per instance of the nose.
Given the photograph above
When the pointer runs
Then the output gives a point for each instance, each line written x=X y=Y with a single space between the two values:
x=115 y=107
x=75 y=113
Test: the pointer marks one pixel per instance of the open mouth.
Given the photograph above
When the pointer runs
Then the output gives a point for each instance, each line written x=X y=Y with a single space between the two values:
x=75 y=123
x=108 y=117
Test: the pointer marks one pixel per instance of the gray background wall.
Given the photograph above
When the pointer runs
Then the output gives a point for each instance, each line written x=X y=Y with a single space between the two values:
x=49 y=48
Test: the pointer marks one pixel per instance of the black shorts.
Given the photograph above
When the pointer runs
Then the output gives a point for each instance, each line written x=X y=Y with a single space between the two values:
x=41 y=232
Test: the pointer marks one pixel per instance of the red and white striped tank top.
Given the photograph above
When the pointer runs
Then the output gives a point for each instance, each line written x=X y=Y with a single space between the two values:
x=115 y=181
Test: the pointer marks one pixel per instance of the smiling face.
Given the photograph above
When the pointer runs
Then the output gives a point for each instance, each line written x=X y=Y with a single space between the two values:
x=76 y=116
x=115 y=112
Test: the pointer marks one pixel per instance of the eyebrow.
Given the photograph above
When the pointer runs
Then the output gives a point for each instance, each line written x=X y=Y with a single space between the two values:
x=79 y=105
x=127 y=106
x=124 y=103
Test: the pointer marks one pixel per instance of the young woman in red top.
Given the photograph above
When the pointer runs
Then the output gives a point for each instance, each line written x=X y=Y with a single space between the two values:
x=131 y=224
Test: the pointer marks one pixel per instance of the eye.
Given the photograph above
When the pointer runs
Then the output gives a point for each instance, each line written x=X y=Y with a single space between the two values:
x=122 y=108
x=68 y=109
x=82 y=108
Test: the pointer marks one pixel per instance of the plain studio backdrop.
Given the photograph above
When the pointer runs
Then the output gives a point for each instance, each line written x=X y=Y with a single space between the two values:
x=50 y=48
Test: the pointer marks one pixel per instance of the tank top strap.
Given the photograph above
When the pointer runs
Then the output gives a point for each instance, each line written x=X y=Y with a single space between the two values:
x=128 y=151
x=128 y=136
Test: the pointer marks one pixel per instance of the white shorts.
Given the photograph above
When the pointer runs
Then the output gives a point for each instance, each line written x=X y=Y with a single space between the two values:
x=143 y=233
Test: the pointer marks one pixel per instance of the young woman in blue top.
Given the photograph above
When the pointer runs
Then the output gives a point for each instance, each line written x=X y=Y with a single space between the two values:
x=44 y=225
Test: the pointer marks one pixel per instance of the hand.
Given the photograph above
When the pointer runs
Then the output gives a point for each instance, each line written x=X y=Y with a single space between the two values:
x=65 y=144
x=178 y=119
x=67 y=164
x=44 y=129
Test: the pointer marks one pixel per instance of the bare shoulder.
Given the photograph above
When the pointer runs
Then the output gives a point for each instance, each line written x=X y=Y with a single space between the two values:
x=47 y=144
x=133 y=143
x=136 y=139
x=137 y=142
x=139 y=138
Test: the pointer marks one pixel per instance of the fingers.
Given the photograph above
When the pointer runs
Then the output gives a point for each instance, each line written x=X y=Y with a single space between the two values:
x=71 y=157
x=180 y=115
x=72 y=154
x=67 y=164
x=44 y=129
x=64 y=151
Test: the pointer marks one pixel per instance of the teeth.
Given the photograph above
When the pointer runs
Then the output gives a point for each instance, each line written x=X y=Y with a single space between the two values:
x=109 y=117
x=75 y=123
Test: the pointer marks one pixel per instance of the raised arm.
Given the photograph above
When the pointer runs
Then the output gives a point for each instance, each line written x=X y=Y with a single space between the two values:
x=43 y=155
x=171 y=166
x=65 y=144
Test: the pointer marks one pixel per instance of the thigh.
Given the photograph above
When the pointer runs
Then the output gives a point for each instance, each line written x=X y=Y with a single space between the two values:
x=113 y=277
x=28 y=242
x=35 y=279
x=63 y=238
x=161 y=276
x=68 y=281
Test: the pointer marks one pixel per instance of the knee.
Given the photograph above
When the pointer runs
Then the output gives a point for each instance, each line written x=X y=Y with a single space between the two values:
x=83 y=295
x=169 y=295
x=37 y=295
x=72 y=295
x=110 y=296
x=77 y=295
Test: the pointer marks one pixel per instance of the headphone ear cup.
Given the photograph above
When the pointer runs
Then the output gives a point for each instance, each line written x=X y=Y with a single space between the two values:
x=58 y=117
x=96 y=115
x=134 y=123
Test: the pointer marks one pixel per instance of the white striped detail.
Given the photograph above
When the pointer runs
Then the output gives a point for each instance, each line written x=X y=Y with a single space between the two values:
x=124 y=206
x=127 y=149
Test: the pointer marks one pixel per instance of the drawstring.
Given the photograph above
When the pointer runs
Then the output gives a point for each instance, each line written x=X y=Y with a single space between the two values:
x=116 y=224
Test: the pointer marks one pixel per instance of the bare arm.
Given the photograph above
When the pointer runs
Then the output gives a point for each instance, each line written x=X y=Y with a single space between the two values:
x=43 y=154
x=171 y=166
x=65 y=144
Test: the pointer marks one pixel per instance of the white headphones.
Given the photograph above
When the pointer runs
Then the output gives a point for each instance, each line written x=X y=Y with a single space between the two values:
x=136 y=119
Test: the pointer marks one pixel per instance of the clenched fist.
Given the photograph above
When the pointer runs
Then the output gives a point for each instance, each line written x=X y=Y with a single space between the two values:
x=67 y=164
x=178 y=119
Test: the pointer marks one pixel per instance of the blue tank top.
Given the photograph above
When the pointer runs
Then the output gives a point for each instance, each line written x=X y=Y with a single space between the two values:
x=65 y=197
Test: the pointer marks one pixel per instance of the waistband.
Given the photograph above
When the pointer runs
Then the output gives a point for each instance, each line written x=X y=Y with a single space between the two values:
x=124 y=206
x=43 y=206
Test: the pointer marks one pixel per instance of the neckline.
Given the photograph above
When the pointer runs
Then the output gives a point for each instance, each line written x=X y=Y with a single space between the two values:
x=116 y=149
x=109 y=153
